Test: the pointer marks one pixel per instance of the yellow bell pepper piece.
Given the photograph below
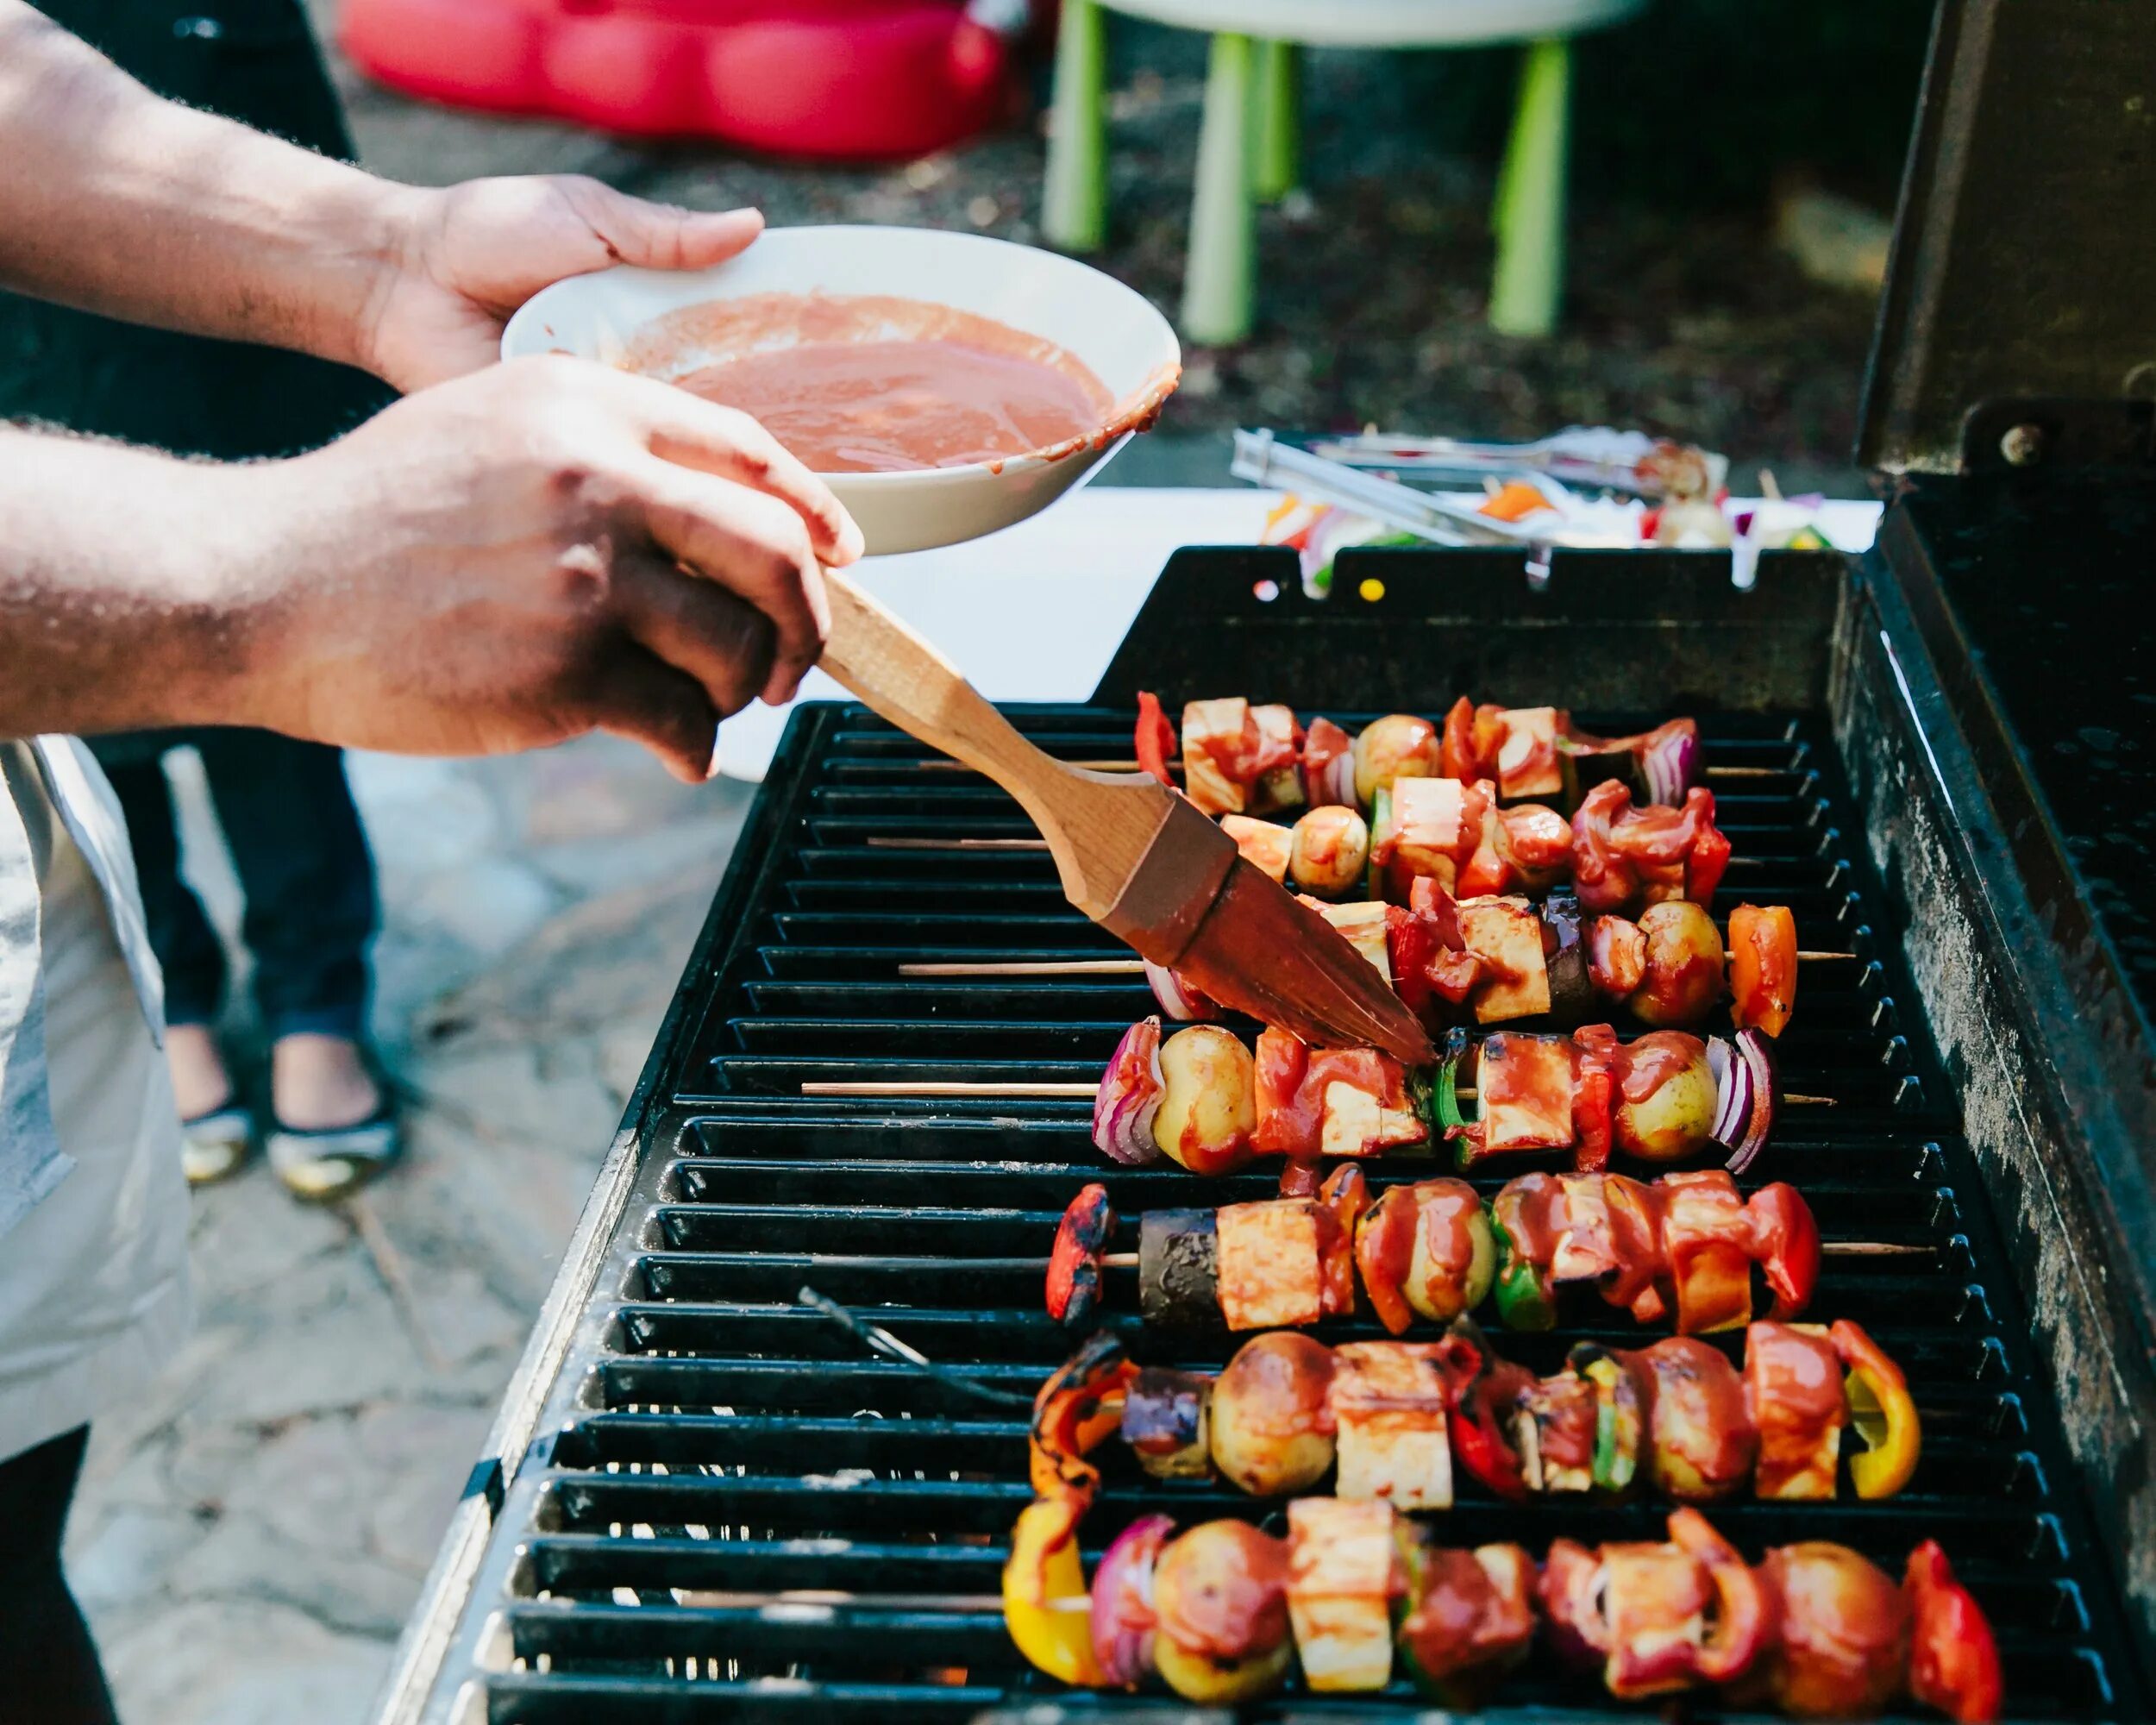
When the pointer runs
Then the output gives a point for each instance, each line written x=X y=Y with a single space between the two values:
x=1044 y=1568
x=1882 y=1411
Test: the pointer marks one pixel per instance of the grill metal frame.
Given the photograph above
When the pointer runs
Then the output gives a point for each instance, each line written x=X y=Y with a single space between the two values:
x=716 y=1140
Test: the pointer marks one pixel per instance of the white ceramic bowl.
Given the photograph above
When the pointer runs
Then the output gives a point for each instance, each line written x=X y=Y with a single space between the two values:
x=1112 y=330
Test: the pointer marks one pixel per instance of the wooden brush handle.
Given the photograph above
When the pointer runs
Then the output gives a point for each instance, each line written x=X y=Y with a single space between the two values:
x=1098 y=827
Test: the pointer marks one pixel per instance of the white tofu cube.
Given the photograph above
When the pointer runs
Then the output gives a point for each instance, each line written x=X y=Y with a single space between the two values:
x=1266 y=1265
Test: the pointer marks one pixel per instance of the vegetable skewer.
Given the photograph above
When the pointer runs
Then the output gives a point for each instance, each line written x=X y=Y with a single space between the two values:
x=1680 y=1250
x=1392 y=1421
x=1222 y=1613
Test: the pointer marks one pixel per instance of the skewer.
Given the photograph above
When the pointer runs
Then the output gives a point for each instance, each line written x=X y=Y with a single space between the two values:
x=1129 y=967
x=1020 y=1090
x=960 y=847
x=1128 y=1260
x=1131 y=766
x=797 y=1598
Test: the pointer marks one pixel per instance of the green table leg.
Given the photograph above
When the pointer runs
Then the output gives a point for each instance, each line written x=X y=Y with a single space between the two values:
x=1279 y=121
x=1217 y=283
x=1075 y=202
x=1529 y=216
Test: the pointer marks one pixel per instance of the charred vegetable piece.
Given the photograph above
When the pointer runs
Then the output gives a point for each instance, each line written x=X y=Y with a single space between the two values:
x=1793 y=1387
x=1882 y=1411
x=1264 y=845
x=1621 y=1401
x=1167 y=1421
x=1343 y=1572
x=1762 y=967
x=1467 y=1619
x=1272 y=1415
x=1269 y=1268
x=1209 y=1106
x=1178 y=1269
x=1845 y=1633
x=1565 y=954
x=1683 y=977
x=1074 y=1262
x=1328 y=852
x=1044 y=1570
x=1123 y=1620
x=1389 y=1407
x=1397 y=746
x=1701 y=1441
x=1953 y=1657
x=1221 y=1602
x=1078 y=1407
x=1484 y=1392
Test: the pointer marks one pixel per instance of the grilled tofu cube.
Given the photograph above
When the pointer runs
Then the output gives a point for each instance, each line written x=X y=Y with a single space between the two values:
x=1526 y=1093
x=1362 y=925
x=1344 y=1571
x=1388 y=1405
x=1216 y=732
x=1527 y=755
x=1264 y=846
x=1430 y=828
x=1355 y=1123
x=1506 y=936
x=1586 y=1246
x=1269 y=1274
x=1277 y=731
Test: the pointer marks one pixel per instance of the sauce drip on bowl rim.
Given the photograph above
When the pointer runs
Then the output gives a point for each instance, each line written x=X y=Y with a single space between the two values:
x=875 y=383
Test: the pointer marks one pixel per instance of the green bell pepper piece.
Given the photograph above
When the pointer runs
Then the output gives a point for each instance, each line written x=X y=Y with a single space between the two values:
x=1526 y=1300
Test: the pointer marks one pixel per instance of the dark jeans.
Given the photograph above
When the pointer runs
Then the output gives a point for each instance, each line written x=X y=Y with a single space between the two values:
x=51 y=1675
x=303 y=862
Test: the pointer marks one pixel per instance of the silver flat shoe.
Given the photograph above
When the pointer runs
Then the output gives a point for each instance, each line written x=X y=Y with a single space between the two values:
x=213 y=1146
x=320 y=1165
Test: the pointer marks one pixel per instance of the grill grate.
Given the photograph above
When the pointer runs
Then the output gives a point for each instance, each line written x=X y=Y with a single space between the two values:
x=712 y=1439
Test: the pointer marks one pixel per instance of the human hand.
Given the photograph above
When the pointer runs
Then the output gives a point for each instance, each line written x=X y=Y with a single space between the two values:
x=512 y=558
x=466 y=256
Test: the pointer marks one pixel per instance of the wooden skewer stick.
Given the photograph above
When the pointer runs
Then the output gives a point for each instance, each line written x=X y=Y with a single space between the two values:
x=1123 y=967
x=1021 y=1090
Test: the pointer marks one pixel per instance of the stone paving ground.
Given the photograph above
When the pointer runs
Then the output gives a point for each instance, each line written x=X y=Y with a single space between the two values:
x=251 y=1536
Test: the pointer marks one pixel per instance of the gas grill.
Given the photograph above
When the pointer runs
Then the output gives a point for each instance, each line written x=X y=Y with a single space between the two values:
x=704 y=1500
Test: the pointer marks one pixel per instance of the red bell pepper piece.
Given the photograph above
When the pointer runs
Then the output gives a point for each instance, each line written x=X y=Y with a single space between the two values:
x=1953 y=1659
x=1481 y=1388
x=1074 y=1262
x=1342 y=1201
x=1785 y=1242
x=1155 y=739
x=1411 y=942
x=1745 y=1608
x=1594 y=1097
x=1077 y=1407
x=1710 y=850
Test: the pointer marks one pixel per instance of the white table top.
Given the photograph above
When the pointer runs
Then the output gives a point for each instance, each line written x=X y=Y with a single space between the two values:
x=1035 y=613
x=1386 y=23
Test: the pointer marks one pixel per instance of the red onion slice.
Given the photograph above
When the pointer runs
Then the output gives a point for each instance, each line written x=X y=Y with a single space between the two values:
x=1129 y=1096
x=1669 y=764
x=1755 y=1053
x=1732 y=1092
x=1337 y=783
x=1122 y=1619
x=1177 y=998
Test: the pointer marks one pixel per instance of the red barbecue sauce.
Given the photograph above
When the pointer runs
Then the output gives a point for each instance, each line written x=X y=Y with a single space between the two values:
x=876 y=384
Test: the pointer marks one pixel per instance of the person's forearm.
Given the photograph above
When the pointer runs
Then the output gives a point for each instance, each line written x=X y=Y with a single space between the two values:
x=127 y=590
x=114 y=200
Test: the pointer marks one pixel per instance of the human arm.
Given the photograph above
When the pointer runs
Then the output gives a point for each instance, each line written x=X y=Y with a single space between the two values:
x=497 y=563
x=117 y=201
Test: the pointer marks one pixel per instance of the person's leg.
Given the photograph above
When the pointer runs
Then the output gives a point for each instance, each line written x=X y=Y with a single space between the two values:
x=52 y=1677
x=187 y=947
x=302 y=858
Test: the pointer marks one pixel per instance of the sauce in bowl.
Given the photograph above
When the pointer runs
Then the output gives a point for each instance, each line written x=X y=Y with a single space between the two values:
x=871 y=383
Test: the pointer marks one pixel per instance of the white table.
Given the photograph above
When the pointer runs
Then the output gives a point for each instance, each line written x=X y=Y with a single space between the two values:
x=1035 y=613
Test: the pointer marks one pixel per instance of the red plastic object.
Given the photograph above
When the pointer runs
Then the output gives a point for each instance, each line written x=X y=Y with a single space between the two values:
x=844 y=79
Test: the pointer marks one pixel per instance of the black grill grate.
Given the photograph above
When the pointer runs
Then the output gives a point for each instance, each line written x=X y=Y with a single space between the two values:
x=712 y=1439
